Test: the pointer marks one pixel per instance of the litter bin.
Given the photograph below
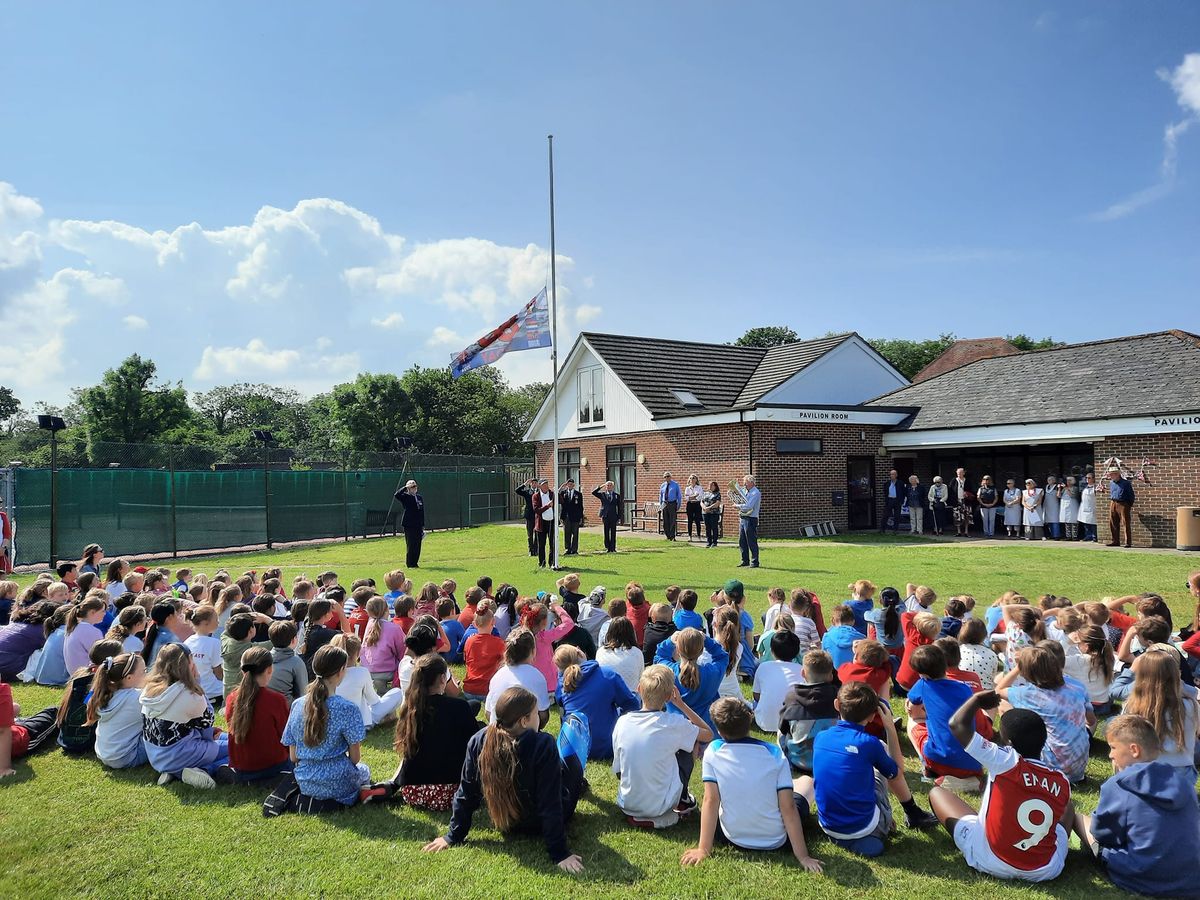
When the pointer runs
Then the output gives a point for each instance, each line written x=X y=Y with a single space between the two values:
x=1187 y=528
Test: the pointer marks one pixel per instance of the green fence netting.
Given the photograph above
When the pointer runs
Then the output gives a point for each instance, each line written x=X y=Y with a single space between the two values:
x=135 y=511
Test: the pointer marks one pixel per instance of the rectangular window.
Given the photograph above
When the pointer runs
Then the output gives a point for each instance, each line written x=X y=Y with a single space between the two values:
x=591 y=396
x=621 y=469
x=798 y=445
x=568 y=466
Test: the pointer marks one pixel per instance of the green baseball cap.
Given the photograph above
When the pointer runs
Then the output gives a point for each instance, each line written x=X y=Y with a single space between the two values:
x=734 y=588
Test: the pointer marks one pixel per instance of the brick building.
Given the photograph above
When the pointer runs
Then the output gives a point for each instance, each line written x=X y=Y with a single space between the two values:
x=821 y=422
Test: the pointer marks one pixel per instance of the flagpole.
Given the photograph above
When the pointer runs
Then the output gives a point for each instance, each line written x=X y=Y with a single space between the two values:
x=553 y=361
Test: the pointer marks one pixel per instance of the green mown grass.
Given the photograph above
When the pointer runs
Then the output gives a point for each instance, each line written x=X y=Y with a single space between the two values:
x=69 y=827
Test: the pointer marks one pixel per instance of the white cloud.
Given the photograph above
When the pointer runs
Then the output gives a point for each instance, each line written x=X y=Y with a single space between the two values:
x=1184 y=80
x=444 y=337
x=586 y=312
x=391 y=320
x=303 y=297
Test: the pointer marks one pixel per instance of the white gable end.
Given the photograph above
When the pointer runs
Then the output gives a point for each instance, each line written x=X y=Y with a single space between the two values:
x=849 y=374
x=623 y=412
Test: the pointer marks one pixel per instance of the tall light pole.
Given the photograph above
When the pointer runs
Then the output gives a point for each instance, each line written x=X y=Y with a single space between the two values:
x=262 y=434
x=53 y=424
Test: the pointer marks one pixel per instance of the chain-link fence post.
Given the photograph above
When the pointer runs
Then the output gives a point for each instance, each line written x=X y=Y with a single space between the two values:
x=171 y=494
x=345 y=498
x=267 y=490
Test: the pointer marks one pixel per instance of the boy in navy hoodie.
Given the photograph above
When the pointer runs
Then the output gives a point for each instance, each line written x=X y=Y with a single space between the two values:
x=1146 y=828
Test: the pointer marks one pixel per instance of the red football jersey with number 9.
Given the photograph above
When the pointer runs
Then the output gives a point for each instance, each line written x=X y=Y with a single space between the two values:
x=1023 y=802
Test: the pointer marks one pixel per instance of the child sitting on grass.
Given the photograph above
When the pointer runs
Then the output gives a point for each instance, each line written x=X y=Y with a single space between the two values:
x=698 y=681
x=884 y=622
x=483 y=652
x=1145 y=831
x=931 y=703
x=920 y=630
x=839 y=640
x=289 y=674
x=862 y=601
x=452 y=628
x=114 y=710
x=808 y=709
x=21 y=737
x=975 y=655
x=356 y=686
x=658 y=629
x=852 y=774
x=518 y=671
x=783 y=622
x=1019 y=832
x=774 y=679
x=686 y=615
x=653 y=753
x=515 y=770
x=601 y=695
x=256 y=716
x=324 y=733
x=748 y=793
x=871 y=665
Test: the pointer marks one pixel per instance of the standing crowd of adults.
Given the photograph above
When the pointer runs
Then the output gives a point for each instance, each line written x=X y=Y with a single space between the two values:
x=545 y=509
x=1064 y=509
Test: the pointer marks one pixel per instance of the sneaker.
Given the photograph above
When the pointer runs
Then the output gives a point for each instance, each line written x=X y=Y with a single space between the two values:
x=368 y=794
x=686 y=806
x=921 y=819
x=639 y=823
x=224 y=775
x=198 y=778
x=954 y=783
x=165 y=778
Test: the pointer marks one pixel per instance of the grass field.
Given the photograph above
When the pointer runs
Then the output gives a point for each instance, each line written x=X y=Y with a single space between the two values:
x=69 y=827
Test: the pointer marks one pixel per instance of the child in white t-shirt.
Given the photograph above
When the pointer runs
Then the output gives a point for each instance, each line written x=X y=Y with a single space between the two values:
x=773 y=680
x=520 y=648
x=748 y=793
x=206 y=654
x=653 y=753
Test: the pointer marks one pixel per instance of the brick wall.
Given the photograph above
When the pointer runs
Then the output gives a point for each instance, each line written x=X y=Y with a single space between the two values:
x=720 y=452
x=798 y=488
x=1174 y=481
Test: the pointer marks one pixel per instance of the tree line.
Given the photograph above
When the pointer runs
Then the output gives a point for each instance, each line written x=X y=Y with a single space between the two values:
x=908 y=356
x=478 y=414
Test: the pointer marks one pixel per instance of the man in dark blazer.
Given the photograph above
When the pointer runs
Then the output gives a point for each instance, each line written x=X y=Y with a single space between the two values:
x=544 y=523
x=610 y=513
x=526 y=492
x=893 y=501
x=570 y=507
x=413 y=522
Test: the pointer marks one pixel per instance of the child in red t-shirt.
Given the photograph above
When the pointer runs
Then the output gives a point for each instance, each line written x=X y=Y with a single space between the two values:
x=404 y=613
x=920 y=629
x=483 y=653
x=950 y=649
x=257 y=716
x=1020 y=831
x=20 y=737
x=872 y=666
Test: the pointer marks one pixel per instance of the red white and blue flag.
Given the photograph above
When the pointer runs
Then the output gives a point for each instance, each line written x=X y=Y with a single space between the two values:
x=527 y=330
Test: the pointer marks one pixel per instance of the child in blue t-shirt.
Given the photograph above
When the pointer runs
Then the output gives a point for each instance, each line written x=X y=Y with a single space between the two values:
x=853 y=773
x=748 y=792
x=839 y=640
x=862 y=601
x=685 y=613
x=931 y=703
x=454 y=630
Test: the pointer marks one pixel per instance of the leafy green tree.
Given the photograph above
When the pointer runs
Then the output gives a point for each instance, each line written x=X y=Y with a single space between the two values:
x=129 y=406
x=1023 y=342
x=10 y=409
x=767 y=336
x=369 y=413
x=910 y=357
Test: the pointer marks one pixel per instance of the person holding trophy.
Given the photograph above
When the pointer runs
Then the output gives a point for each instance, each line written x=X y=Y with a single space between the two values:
x=748 y=500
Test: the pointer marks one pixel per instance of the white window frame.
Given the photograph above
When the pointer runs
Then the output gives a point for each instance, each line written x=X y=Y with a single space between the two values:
x=590 y=388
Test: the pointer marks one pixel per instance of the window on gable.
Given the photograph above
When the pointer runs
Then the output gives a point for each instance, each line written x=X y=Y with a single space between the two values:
x=591 y=396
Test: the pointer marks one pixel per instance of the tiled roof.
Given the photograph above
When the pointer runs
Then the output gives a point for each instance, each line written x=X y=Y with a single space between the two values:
x=722 y=376
x=965 y=351
x=1129 y=376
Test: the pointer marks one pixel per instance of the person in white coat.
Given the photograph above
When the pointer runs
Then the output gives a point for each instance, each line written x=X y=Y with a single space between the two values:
x=1087 y=507
x=1012 y=508
x=1031 y=506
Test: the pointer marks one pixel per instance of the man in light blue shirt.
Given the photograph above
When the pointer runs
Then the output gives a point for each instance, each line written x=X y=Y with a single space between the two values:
x=669 y=497
x=748 y=505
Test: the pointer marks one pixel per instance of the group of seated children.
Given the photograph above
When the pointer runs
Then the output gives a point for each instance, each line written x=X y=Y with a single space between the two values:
x=651 y=687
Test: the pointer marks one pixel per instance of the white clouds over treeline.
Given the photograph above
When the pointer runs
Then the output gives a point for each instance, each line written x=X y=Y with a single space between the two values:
x=304 y=298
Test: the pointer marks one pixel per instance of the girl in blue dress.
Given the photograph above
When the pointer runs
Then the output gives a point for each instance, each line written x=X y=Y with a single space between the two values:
x=325 y=732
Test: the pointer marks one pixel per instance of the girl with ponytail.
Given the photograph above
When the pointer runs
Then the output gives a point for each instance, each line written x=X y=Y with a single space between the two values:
x=325 y=735
x=165 y=623
x=383 y=645
x=432 y=732
x=727 y=630
x=358 y=689
x=515 y=770
x=256 y=716
x=76 y=733
x=114 y=710
x=83 y=630
x=129 y=628
x=698 y=682
x=599 y=694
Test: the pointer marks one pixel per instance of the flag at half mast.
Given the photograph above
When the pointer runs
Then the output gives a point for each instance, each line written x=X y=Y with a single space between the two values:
x=527 y=330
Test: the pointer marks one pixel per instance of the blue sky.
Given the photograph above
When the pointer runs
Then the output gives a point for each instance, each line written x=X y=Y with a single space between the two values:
x=368 y=181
